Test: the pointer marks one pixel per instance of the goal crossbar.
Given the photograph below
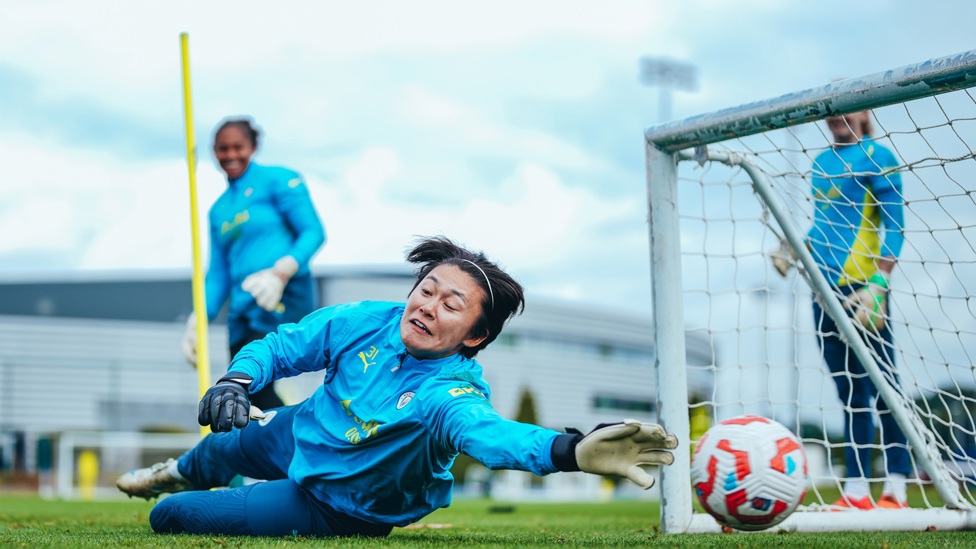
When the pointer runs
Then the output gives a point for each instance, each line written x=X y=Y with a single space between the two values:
x=924 y=79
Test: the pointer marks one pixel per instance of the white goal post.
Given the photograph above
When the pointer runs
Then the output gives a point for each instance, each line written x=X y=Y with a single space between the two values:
x=725 y=189
x=86 y=463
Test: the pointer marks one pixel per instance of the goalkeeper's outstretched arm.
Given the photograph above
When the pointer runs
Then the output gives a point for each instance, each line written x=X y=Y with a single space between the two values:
x=619 y=449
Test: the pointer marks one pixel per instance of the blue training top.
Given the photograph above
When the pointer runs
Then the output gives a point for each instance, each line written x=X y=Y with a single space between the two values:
x=378 y=438
x=858 y=211
x=263 y=215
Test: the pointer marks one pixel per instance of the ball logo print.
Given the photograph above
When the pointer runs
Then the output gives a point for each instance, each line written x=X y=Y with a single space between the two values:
x=749 y=472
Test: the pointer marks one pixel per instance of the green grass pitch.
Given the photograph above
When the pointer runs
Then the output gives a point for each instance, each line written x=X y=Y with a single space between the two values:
x=28 y=521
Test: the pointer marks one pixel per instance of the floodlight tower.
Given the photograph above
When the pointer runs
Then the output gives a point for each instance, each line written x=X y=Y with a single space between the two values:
x=667 y=74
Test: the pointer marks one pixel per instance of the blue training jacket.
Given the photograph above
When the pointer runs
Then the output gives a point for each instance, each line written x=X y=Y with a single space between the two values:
x=378 y=438
x=859 y=212
x=263 y=215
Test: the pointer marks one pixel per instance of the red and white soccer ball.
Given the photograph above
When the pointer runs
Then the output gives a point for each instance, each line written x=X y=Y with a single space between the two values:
x=749 y=472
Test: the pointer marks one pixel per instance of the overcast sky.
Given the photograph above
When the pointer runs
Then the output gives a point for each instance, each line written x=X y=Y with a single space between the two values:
x=512 y=127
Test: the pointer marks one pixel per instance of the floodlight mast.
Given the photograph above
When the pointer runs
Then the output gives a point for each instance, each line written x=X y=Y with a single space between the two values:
x=667 y=75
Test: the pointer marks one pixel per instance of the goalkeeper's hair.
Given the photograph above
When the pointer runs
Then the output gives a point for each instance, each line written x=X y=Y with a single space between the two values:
x=242 y=123
x=503 y=296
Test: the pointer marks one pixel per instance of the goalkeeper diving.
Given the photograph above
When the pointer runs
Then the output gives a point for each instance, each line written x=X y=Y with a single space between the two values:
x=372 y=448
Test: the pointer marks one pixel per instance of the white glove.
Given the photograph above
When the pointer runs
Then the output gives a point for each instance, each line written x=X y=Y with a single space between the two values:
x=621 y=448
x=189 y=343
x=268 y=285
x=783 y=258
x=870 y=303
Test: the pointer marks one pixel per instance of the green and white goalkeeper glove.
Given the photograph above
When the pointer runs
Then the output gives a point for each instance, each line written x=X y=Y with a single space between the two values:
x=869 y=304
x=618 y=449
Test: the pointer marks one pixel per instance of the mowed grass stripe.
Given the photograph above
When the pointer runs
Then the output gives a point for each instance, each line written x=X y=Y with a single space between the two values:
x=28 y=521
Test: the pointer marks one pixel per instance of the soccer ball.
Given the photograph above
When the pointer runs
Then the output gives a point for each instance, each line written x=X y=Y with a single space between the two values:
x=749 y=472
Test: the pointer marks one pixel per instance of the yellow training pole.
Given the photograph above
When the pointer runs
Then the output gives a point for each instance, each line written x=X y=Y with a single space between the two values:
x=199 y=301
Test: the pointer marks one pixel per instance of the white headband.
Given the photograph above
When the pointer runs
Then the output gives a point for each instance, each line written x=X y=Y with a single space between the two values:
x=490 y=292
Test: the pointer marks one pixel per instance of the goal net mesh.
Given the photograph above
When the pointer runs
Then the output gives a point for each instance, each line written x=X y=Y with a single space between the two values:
x=768 y=360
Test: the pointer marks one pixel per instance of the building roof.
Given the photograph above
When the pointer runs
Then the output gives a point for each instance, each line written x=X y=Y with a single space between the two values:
x=165 y=295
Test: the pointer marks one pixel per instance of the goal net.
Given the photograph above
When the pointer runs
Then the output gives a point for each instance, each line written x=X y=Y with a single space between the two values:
x=726 y=190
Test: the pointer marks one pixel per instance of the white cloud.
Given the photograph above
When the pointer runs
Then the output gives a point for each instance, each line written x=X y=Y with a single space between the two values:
x=133 y=45
x=50 y=196
x=533 y=221
x=423 y=108
x=476 y=133
x=368 y=176
x=153 y=229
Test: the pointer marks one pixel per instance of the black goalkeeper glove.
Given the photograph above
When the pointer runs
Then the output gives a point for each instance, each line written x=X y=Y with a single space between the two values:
x=226 y=404
x=615 y=449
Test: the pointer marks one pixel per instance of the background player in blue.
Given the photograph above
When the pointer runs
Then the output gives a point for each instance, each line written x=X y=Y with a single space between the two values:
x=372 y=448
x=263 y=232
x=856 y=238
